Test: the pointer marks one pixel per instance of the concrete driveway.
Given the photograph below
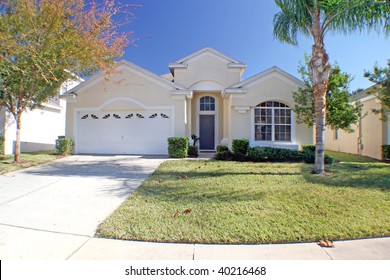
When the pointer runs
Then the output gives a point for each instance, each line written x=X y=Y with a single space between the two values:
x=52 y=210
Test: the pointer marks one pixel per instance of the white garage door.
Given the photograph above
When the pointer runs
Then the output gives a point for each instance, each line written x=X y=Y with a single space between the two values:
x=135 y=132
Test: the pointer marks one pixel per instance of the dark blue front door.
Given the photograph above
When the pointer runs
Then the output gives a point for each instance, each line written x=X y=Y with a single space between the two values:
x=206 y=132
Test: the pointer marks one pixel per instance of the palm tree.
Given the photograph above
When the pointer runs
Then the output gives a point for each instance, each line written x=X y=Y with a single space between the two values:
x=315 y=18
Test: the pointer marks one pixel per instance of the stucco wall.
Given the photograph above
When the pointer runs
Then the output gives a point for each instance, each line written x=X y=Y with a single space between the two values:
x=132 y=91
x=372 y=130
x=40 y=129
x=207 y=67
x=274 y=87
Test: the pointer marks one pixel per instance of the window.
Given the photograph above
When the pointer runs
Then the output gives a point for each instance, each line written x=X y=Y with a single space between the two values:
x=272 y=122
x=207 y=103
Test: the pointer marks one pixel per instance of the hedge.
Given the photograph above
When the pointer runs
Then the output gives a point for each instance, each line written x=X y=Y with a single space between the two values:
x=240 y=149
x=178 y=147
x=64 y=146
x=223 y=153
x=193 y=151
x=386 y=151
x=268 y=154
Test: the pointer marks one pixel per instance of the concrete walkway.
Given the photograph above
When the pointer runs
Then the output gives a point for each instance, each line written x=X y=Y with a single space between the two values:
x=52 y=212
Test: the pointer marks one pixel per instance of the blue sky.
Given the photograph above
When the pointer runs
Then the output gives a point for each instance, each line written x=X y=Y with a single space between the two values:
x=171 y=29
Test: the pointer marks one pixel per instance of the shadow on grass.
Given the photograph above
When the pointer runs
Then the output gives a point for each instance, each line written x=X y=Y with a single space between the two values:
x=357 y=175
x=187 y=195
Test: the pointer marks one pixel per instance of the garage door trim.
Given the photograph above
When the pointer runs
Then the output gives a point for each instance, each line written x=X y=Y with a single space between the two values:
x=100 y=108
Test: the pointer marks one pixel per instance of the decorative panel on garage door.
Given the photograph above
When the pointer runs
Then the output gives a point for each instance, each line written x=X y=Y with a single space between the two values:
x=135 y=132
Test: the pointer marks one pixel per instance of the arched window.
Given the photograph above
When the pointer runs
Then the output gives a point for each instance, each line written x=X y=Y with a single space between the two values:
x=207 y=103
x=272 y=122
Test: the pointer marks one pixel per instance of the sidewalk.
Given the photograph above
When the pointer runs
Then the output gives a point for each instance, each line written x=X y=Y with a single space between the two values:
x=103 y=249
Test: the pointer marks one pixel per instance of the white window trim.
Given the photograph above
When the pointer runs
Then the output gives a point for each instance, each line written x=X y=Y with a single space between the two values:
x=216 y=121
x=273 y=143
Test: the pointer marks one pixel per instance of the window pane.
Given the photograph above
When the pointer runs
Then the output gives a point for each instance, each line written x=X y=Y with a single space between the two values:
x=207 y=103
x=273 y=121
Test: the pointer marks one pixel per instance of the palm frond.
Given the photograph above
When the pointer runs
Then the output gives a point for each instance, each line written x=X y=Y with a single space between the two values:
x=293 y=18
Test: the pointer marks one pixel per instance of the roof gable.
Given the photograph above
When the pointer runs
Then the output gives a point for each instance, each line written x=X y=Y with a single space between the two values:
x=271 y=72
x=183 y=62
x=129 y=66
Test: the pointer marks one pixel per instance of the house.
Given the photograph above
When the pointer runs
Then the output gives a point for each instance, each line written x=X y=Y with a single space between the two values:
x=40 y=127
x=369 y=134
x=136 y=110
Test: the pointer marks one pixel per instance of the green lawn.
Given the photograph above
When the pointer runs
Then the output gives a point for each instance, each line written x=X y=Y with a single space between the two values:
x=234 y=202
x=28 y=160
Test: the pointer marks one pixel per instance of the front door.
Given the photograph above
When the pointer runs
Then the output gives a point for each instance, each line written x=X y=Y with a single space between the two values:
x=207 y=132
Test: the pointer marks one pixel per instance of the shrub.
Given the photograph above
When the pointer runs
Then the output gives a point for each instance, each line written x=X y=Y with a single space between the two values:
x=223 y=153
x=64 y=146
x=310 y=157
x=240 y=148
x=268 y=154
x=178 y=147
x=386 y=151
x=193 y=151
x=309 y=148
x=1 y=146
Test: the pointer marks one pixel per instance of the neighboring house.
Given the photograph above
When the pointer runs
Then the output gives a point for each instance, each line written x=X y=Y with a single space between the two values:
x=136 y=111
x=369 y=134
x=40 y=127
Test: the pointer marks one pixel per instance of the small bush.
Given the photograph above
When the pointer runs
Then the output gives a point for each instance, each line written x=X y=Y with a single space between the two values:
x=223 y=153
x=310 y=157
x=268 y=154
x=178 y=147
x=386 y=151
x=64 y=146
x=309 y=148
x=240 y=149
x=1 y=146
x=193 y=151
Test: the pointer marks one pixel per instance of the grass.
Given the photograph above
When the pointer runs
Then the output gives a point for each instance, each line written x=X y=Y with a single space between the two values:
x=233 y=202
x=27 y=160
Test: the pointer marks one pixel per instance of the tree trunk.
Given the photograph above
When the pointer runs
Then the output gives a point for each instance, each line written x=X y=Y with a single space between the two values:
x=18 y=119
x=320 y=75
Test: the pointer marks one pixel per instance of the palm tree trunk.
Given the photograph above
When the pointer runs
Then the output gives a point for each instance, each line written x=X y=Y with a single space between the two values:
x=18 y=119
x=320 y=75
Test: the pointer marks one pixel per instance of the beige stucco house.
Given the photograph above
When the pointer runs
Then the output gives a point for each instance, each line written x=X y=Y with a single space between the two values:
x=136 y=110
x=369 y=134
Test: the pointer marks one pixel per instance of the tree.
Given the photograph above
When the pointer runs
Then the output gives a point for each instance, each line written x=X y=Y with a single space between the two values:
x=380 y=76
x=44 y=42
x=340 y=113
x=315 y=18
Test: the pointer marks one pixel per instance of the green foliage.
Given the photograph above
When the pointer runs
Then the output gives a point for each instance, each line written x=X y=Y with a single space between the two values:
x=45 y=43
x=309 y=157
x=1 y=146
x=386 y=151
x=240 y=148
x=315 y=19
x=309 y=148
x=380 y=76
x=64 y=146
x=268 y=154
x=340 y=114
x=193 y=151
x=178 y=147
x=223 y=153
